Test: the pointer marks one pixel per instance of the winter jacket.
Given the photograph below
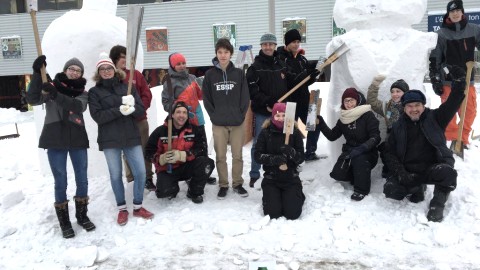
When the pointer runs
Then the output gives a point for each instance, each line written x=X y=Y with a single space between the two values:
x=185 y=88
x=267 y=82
x=64 y=127
x=225 y=95
x=268 y=145
x=361 y=131
x=114 y=129
x=456 y=41
x=414 y=146
x=142 y=89
x=189 y=138
x=392 y=110
x=297 y=70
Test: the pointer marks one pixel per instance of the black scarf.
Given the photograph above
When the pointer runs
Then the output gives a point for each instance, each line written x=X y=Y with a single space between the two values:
x=69 y=87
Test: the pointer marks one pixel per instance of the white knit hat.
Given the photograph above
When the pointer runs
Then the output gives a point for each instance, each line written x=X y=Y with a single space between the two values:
x=104 y=59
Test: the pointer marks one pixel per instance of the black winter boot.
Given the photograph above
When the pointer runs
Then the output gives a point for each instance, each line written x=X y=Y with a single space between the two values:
x=418 y=196
x=81 y=213
x=437 y=205
x=63 y=218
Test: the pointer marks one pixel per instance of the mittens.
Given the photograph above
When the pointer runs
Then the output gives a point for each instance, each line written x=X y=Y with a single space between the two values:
x=51 y=89
x=39 y=63
x=127 y=110
x=128 y=100
x=288 y=151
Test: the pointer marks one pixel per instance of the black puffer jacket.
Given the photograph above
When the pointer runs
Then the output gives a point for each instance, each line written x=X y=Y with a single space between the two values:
x=64 y=127
x=414 y=146
x=268 y=144
x=364 y=131
x=267 y=82
x=114 y=129
x=297 y=70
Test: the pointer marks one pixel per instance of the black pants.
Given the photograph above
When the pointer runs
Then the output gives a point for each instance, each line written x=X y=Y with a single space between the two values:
x=198 y=170
x=282 y=199
x=442 y=175
x=359 y=173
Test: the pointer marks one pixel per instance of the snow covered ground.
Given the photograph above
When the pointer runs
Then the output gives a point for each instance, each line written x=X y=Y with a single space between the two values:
x=333 y=232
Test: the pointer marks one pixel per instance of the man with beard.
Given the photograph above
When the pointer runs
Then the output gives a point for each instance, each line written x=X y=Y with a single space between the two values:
x=416 y=151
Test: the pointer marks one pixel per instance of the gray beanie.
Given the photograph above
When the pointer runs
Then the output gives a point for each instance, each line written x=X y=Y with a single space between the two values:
x=71 y=62
x=268 y=37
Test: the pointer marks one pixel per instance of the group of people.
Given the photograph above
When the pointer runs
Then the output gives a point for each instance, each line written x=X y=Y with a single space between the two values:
x=414 y=153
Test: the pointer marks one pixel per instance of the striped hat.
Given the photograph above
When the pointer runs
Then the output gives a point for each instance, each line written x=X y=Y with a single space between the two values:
x=104 y=59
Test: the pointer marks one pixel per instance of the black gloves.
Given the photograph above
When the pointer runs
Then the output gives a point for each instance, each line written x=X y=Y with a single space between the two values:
x=288 y=151
x=405 y=178
x=49 y=88
x=278 y=160
x=357 y=151
x=457 y=73
x=437 y=84
x=271 y=101
x=38 y=63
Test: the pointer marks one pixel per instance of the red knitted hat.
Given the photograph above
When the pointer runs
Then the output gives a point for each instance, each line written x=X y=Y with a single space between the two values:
x=176 y=58
x=104 y=59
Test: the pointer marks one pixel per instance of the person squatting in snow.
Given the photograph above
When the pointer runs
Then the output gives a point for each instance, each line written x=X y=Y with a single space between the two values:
x=416 y=152
x=118 y=54
x=64 y=134
x=116 y=115
x=282 y=189
x=188 y=158
x=185 y=87
x=457 y=39
x=226 y=99
x=390 y=111
x=359 y=155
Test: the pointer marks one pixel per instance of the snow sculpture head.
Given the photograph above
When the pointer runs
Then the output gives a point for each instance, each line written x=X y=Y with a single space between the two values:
x=364 y=14
x=84 y=34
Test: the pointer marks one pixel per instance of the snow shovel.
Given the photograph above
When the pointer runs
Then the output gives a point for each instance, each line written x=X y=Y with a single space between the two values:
x=135 y=18
x=32 y=7
x=288 y=125
x=457 y=145
x=11 y=136
x=332 y=58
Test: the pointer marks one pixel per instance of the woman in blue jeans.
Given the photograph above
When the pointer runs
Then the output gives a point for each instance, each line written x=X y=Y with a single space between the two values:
x=64 y=134
x=115 y=113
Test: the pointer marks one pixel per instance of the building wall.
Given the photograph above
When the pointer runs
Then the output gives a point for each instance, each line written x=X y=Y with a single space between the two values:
x=190 y=29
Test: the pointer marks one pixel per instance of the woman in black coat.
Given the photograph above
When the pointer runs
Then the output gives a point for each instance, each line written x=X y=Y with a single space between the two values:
x=282 y=189
x=359 y=126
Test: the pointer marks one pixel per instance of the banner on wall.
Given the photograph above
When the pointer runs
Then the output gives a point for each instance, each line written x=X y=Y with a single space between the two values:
x=157 y=39
x=296 y=23
x=435 y=18
x=11 y=47
x=225 y=30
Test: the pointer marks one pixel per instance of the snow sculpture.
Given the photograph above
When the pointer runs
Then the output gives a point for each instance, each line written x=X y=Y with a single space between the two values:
x=84 y=34
x=381 y=41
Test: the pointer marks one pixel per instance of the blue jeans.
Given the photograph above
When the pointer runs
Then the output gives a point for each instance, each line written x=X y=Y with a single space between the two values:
x=134 y=156
x=58 y=163
x=255 y=168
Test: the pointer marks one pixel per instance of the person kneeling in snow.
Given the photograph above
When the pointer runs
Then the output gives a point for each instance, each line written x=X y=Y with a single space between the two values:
x=416 y=151
x=282 y=189
x=187 y=159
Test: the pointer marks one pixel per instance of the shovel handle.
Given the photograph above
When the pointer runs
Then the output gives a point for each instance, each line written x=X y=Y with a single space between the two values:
x=459 y=144
x=38 y=44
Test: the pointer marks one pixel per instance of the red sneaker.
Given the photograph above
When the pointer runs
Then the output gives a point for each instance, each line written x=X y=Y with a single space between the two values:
x=143 y=213
x=122 y=217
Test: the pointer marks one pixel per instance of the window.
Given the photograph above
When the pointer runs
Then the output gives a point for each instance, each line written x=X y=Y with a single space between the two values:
x=59 y=4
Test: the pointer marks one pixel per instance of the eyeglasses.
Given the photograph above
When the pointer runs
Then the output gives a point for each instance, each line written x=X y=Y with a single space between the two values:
x=349 y=100
x=108 y=69
x=73 y=70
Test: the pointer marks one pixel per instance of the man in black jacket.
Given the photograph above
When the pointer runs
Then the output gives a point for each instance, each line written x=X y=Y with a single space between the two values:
x=416 y=150
x=298 y=69
x=267 y=82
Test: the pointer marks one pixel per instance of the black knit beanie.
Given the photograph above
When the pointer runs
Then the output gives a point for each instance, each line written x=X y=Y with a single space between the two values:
x=292 y=35
x=400 y=84
x=456 y=4
x=413 y=96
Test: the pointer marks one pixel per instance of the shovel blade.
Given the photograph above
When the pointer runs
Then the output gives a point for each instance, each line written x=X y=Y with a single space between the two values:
x=457 y=148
